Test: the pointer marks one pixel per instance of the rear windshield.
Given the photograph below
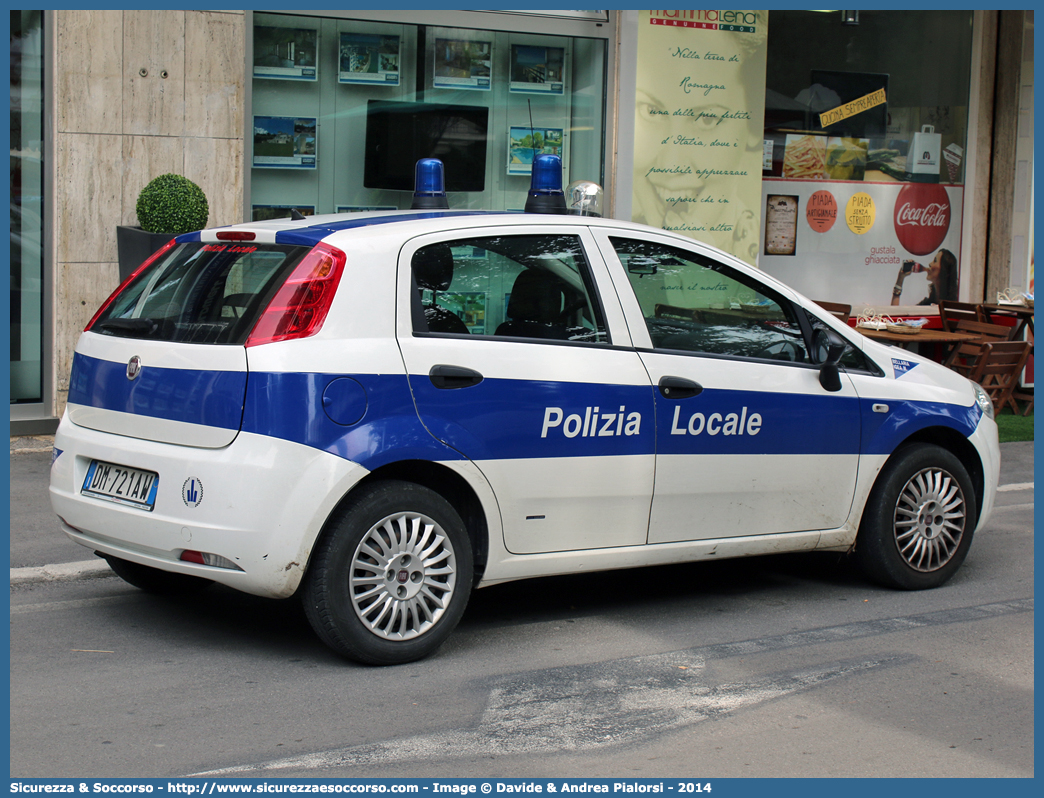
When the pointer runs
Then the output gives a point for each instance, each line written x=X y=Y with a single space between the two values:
x=201 y=293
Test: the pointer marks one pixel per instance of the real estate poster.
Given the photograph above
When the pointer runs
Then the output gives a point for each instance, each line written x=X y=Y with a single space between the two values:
x=525 y=143
x=699 y=123
x=284 y=142
x=463 y=64
x=369 y=58
x=469 y=306
x=537 y=70
x=285 y=53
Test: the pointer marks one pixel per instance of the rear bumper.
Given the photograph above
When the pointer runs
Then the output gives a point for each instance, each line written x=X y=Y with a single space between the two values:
x=262 y=506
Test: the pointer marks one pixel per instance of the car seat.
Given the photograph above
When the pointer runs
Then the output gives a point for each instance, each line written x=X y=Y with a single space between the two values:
x=433 y=269
x=535 y=307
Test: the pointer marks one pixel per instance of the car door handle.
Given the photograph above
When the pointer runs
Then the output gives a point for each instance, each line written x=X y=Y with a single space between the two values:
x=679 y=388
x=450 y=377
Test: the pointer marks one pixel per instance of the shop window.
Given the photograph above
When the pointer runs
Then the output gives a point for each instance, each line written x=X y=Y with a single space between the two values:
x=865 y=154
x=343 y=109
x=850 y=106
x=27 y=207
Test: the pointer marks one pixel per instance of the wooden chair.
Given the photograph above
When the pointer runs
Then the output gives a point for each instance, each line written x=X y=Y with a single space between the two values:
x=1021 y=394
x=963 y=355
x=998 y=368
x=1023 y=319
x=1017 y=319
x=951 y=312
x=843 y=312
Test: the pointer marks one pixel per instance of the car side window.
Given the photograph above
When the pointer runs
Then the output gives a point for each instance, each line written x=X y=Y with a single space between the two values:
x=692 y=303
x=519 y=286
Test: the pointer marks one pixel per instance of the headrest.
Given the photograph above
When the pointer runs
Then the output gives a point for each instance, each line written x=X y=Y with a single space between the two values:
x=433 y=267
x=536 y=296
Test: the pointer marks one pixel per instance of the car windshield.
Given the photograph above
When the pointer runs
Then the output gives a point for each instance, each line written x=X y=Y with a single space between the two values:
x=201 y=293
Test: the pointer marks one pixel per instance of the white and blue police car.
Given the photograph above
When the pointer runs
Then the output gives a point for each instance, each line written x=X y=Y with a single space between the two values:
x=381 y=411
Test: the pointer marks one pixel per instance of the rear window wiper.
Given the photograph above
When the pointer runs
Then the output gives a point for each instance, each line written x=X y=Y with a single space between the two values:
x=138 y=326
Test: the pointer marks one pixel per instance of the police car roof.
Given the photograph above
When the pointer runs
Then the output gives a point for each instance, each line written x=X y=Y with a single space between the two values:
x=313 y=229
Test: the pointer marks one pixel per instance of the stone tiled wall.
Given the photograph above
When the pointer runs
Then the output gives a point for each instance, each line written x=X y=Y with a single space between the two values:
x=138 y=94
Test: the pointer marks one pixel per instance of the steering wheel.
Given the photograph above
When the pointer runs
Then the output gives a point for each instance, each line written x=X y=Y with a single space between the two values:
x=571 y=308
x=783 y=350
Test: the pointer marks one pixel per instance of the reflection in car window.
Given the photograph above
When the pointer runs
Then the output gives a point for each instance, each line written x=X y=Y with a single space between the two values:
x=524 y=286
x=694 y=304
x=201 y=293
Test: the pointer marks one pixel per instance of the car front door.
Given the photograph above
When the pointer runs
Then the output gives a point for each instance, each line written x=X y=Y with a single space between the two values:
x=748 y=441
x=519 y=358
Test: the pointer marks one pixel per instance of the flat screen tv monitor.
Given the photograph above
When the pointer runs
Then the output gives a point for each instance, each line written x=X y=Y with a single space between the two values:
x=398 y=134
x=849 y=86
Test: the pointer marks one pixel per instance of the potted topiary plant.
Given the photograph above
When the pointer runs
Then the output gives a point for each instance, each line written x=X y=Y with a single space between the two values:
x=168 y=206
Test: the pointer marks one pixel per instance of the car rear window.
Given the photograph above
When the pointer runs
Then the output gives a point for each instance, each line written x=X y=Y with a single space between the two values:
x=201 y=293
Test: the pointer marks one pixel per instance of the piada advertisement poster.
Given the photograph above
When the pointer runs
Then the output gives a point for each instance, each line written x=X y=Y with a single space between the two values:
x=849 y=241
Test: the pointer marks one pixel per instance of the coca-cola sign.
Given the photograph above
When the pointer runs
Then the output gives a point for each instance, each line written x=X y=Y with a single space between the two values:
x=922 y=217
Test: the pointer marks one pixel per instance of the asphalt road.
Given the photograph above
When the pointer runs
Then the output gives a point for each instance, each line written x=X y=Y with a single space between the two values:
x=770 y=666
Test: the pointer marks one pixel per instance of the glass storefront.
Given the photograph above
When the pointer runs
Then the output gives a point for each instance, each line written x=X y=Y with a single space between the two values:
x=342 y=109
x=918 y=63
x=27 y=264
x=866 y=128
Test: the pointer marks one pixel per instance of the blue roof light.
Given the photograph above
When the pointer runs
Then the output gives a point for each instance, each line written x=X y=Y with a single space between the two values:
x=545 y=187
x=429 y=192
x=547 y=173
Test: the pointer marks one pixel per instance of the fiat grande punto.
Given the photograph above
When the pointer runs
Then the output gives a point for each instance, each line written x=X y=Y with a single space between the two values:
x=379 y=412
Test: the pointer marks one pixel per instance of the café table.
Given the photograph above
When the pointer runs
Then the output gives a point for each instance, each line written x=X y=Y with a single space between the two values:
x=919 y=337
x=1022 y=314
x=944 y=341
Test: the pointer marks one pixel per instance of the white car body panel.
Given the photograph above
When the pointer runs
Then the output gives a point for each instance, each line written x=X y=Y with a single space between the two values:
x=321 y=414
x=250 y=513
x=113 y=355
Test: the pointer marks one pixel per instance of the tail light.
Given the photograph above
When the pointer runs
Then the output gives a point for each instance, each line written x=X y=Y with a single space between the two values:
x=155 y=256
x=299 y=308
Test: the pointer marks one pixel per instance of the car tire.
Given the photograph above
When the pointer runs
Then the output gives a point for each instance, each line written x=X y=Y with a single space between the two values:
x=153 y=580
x=391 y=576
x=919 y=519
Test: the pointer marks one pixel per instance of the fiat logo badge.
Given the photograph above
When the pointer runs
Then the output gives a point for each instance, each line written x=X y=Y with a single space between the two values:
x=133 y=367
x=403 y=576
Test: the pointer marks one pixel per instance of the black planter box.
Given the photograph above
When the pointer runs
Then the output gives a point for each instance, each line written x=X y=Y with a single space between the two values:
x=134 y=246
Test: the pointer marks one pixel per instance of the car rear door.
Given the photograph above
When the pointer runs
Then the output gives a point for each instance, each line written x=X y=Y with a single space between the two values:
x=518 y=357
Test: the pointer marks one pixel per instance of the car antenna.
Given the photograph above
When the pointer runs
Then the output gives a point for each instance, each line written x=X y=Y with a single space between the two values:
x=532 y=132
x=296 y=215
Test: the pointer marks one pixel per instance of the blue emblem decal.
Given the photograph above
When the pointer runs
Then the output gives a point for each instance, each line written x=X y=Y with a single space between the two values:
x=902 y=366
x=192 y=492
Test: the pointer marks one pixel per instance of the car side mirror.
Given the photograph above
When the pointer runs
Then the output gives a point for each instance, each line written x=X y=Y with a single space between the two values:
x=829 y=349
x=829 y=373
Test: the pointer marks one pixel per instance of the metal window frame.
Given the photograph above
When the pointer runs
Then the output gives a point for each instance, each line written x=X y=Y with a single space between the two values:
x=39 y=418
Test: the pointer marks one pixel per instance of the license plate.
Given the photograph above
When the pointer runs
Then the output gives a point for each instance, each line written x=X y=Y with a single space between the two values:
x=117 y=483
